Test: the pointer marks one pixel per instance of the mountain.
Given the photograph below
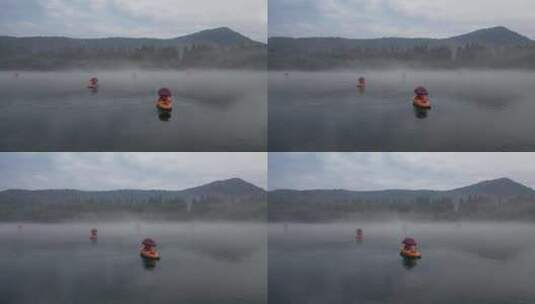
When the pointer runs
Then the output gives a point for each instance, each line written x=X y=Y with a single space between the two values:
x=231 y=188
x=499 y=36
x=497 y=188
x=485 y=199
x=219 y=47
x=226 y=199
x=492 y=47
x=220 y=36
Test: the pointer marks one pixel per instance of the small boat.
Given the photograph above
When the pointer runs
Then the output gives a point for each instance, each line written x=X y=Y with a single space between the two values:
x=150 y=254
x=164 y=105
x=421 y=103
x=410 y=254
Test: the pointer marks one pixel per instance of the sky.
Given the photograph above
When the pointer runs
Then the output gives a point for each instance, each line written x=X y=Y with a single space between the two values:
x=397 y=18
x=380 y=171
x=131 y=18
x=111 y=171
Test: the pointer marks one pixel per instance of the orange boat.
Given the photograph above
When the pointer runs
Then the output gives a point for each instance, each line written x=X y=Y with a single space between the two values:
x=409 y=254
x=164 y=105
x=150 y=254
x=421 y=103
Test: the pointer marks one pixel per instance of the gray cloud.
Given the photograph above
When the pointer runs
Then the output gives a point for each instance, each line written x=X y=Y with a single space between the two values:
x=377 y=171
x=107 y=171
x=408 y=18
x=140 y=18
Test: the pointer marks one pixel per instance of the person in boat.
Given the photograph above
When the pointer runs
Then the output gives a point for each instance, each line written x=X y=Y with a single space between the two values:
x=422 y=98
x=409 y=248
x=93 y=235
x=148 y=248
x=361 y=82
x=93 y=83
x=359 y=235
x=165 y=100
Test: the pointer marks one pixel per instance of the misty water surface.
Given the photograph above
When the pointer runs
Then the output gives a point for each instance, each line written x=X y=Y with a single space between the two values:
x=472 y=111
x=213 y=111
x=200 y=263
x=462 y=263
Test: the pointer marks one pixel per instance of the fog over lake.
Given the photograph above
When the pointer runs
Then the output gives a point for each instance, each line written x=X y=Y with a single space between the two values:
x=472 y=111
x=462 y=263
x=200 y=263
x=54 y=111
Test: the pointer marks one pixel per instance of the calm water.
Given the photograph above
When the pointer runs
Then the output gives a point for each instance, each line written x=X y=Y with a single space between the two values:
x=472 y=111
x=213 y=111
x=462 y=263
x=200 y=263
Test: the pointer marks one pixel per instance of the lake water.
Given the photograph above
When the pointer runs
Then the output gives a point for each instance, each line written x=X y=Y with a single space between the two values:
x=200 y=263
x=213 y=111
x=472 y=111
x=462 y=263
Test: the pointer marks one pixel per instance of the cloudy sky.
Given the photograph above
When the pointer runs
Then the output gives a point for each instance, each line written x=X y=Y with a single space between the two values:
x=378 y=171
x=406 y=18
x=108 y=171
x=131 y=18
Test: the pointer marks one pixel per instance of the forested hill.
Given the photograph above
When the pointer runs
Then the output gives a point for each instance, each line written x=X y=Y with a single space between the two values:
x=502 y=199
x=496 y=47
x=214 y=48
x=227 y=199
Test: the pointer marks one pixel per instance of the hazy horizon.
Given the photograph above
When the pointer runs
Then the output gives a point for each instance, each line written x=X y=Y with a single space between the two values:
x=135 y=19
x=120 y=171
x=140 y=37
x=375 y=171
x=403 y=37
x=396 y=18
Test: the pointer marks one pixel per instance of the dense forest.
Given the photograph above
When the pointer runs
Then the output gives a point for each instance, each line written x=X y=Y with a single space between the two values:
x=489 y=48
x=501 y=199
x=235 y=199
x=232 y=199
x=217 y=48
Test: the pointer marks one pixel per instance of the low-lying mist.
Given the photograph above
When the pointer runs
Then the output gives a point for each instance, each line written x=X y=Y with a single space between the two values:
x=463 y=262
x=214 y=110
x=471 y=111
x=226 y=258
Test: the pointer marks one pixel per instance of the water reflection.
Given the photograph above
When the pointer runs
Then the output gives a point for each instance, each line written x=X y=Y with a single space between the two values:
x=408 y=263
x=164 y=115
x=319 y=111
x=420 y=113
x=219 y=111
x=148 y=264
x=313 y=263
x=77 y=271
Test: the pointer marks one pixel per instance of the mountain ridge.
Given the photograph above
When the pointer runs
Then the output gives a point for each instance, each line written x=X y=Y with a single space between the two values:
x=501 y=198
x=229 y=181
x=222 y=199
x=502 y=30
x=492 y=182
x=217 y=33
x=219 y=47
x=495 y=47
